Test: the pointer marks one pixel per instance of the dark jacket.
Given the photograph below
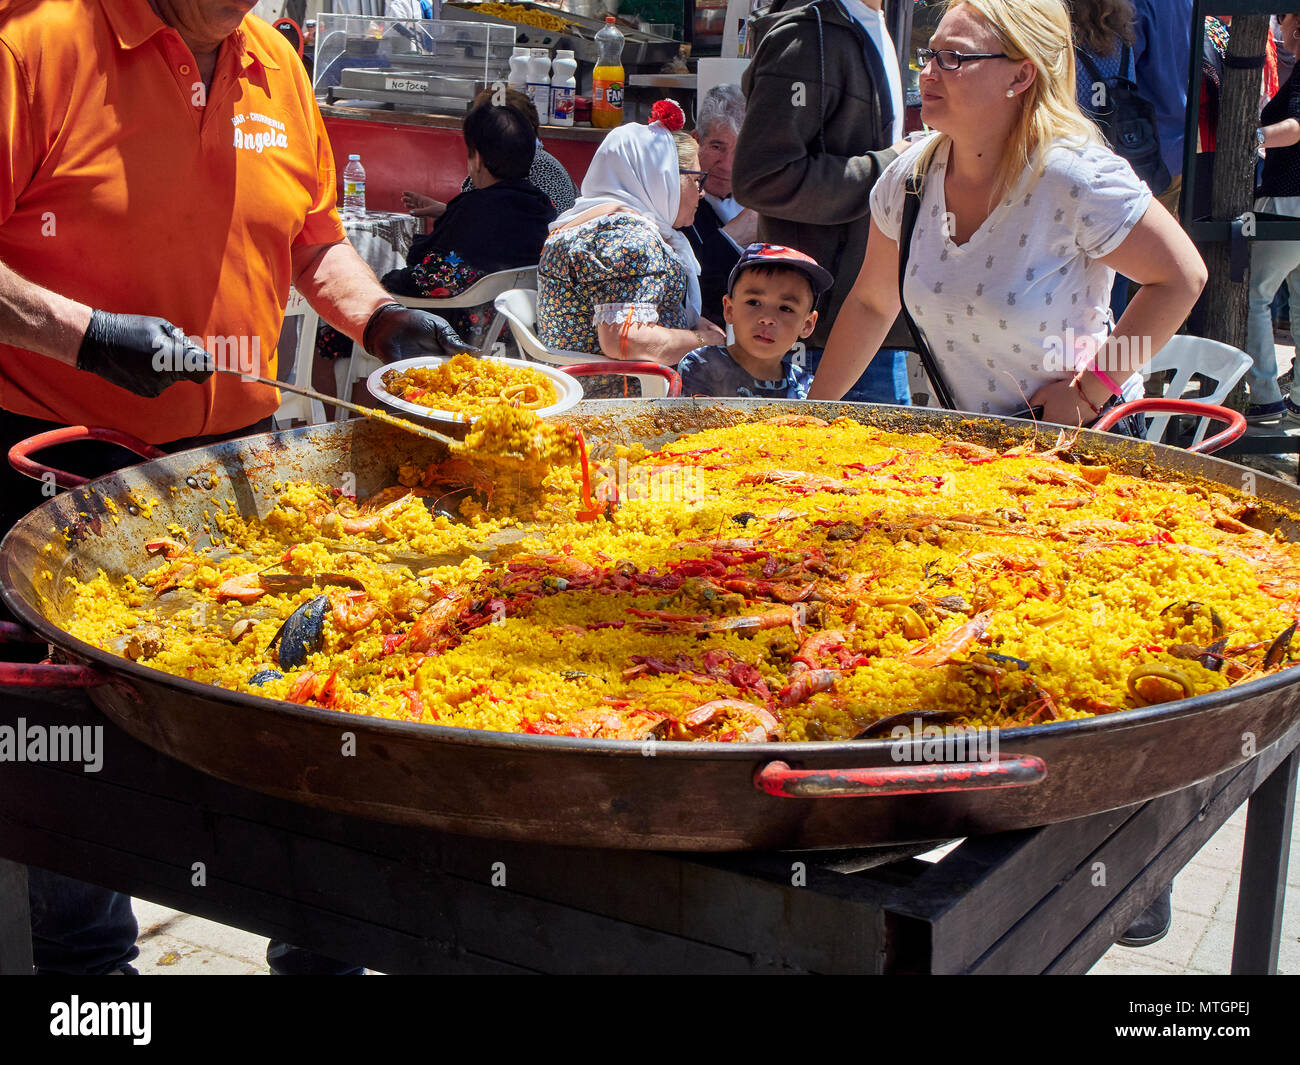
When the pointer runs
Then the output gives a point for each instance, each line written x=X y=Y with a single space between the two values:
x=717 y=256
x=814 y=141
x=501 y=227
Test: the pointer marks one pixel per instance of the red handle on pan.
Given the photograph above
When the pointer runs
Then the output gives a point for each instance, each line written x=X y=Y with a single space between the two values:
x=1236 y=421
x=1009 y=771
x=20 y=455
x=617 y=366
x=44 y=675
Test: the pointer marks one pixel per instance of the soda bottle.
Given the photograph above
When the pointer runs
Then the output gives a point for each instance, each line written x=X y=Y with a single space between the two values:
x=354 y=186
x=607 y=78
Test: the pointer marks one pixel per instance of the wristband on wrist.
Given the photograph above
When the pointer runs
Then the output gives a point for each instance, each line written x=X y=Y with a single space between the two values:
x=1107 y=380
x=1084 y=396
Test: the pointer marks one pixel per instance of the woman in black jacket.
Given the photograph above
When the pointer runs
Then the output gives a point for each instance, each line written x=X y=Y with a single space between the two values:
x=1275 y=261
x=499 y=224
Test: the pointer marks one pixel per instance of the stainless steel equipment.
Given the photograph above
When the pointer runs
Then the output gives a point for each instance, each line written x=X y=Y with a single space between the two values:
x=429 y=66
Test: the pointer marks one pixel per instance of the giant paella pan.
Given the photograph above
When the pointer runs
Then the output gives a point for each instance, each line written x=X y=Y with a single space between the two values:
x=816 y=762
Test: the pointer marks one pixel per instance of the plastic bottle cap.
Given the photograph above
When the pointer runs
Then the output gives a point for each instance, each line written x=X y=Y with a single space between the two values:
x=356 y=157
x=610 y=18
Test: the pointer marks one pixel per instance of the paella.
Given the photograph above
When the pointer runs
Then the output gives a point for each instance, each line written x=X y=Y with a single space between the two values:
x=790 y=579
x=470 y=386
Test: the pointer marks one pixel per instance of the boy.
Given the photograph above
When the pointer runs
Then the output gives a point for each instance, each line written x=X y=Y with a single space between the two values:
x=769 y=305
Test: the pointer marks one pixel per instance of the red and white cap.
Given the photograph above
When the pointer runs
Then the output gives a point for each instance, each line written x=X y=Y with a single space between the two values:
x=778 y=255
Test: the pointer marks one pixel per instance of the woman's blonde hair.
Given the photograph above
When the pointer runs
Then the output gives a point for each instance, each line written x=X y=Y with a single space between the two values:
x=1037 y=30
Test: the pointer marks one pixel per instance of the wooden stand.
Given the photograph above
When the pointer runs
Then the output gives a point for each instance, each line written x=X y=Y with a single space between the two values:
x=397 y=899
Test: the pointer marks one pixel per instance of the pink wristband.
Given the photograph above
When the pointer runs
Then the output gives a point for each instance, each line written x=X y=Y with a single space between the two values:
x=1106 y=380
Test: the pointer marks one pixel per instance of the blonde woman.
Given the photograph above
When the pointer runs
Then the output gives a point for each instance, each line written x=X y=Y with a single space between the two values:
x=1025 y=216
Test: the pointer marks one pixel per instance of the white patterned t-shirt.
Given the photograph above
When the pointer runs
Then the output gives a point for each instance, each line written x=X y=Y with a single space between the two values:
x=1001 y=312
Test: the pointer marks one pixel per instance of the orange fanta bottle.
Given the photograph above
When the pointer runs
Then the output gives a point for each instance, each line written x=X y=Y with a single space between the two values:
x=608 y=77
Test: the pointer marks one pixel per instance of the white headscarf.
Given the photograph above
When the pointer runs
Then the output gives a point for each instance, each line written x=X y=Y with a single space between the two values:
x=636 y=167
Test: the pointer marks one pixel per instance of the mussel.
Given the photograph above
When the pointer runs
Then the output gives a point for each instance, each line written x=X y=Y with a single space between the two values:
x=302 y=633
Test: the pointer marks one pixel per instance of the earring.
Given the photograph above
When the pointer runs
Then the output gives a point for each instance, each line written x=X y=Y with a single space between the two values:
x=1010 y=93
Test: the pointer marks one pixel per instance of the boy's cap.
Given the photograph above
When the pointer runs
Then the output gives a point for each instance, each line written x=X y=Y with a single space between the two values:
x=779 y=255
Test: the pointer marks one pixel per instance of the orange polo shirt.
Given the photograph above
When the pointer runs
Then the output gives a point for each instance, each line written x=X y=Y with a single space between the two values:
x=122 y=187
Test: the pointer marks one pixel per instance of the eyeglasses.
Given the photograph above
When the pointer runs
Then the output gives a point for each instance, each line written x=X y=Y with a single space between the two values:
x=700 y=176
x=950 y=60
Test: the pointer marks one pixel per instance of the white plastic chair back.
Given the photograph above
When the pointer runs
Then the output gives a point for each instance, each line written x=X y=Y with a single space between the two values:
x=485 y=290
x=1189 y=356
x=293 y=406
x=361 y=365
x=519 y=308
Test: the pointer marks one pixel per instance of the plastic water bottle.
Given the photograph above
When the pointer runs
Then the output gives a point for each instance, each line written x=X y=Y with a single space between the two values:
x=519 y=69
x=539 y=84
x=354 y=186
x=564 y=86
x=607 y=79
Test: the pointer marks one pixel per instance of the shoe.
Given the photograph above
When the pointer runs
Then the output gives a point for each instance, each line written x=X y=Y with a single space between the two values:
x=1292 y=409
x=1265 y=412
x=1152 y=924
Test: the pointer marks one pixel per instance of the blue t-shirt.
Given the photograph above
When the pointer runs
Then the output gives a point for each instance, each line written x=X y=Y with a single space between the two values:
x=711 y=371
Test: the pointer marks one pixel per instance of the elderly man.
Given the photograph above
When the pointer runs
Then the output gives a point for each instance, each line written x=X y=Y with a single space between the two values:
x=721 y=227
x=164 y=178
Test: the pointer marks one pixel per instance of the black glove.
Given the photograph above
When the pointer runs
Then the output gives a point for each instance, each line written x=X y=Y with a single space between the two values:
x=396 y=332
x=141 y=354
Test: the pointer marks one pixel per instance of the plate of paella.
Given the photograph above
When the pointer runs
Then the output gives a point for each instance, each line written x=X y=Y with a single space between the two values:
x=463 y=387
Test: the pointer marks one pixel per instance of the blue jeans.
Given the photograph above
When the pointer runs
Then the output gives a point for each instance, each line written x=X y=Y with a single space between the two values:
x=79 y=929
x=1271 y=263
x=884 y=381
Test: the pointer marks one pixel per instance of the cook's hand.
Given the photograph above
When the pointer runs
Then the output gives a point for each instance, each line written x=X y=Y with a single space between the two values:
x=423 y=206
x=141 y=354
x=396 y=332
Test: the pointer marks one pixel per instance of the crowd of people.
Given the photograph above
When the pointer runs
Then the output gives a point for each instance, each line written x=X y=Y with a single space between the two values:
x=768 y=253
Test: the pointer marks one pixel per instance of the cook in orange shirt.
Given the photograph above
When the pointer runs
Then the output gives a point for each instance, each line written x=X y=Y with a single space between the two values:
x=164 y=174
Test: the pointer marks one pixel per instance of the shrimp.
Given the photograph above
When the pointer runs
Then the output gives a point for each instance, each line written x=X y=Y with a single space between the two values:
x=938 y=652
x=757 y=724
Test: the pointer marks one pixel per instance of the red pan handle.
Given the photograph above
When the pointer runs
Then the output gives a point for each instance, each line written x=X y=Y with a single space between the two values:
x=20 y=455
x=1009 y=771
x=45 y=675
x=1235 y=419
x=617 y=366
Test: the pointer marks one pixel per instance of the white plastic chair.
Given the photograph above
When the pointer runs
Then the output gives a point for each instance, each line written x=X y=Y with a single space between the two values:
x=485 y=290
x=519 y=308
x=361 y=365
x=294 y=406
x=1190 y=357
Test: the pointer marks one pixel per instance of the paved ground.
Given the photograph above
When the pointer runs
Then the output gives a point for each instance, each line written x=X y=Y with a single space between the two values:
x=1205 y=893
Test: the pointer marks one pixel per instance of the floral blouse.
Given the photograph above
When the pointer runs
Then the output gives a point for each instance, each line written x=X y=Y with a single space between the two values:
x=606 y=270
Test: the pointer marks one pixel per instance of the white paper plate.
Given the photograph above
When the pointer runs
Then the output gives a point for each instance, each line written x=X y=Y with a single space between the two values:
x=568 y=389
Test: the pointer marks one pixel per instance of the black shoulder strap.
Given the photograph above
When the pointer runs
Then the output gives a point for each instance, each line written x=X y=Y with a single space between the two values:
x=912 y=208
x=1094 y=71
